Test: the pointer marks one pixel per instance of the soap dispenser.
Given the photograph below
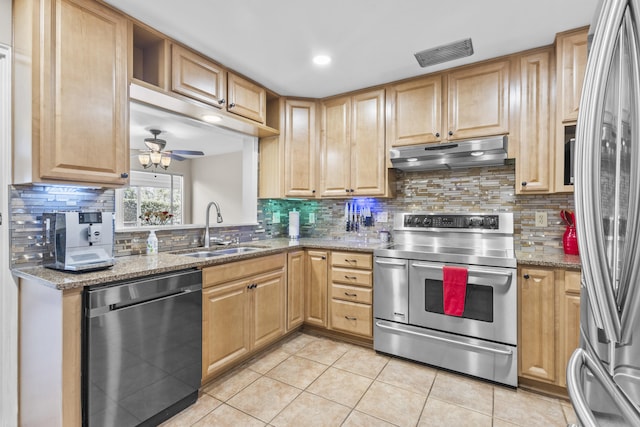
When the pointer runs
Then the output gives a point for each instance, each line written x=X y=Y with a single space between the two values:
x=152 y=243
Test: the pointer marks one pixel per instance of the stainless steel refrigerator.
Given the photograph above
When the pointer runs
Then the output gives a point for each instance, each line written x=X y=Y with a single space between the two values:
x=603 y=375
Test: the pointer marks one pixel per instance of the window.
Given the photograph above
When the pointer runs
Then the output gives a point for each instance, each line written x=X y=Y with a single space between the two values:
x=152 y=199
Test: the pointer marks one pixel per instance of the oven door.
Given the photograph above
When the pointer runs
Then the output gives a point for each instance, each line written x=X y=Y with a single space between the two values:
x=490 y=302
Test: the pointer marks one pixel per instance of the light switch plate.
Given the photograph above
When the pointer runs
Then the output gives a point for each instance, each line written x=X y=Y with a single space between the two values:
x=276 y=218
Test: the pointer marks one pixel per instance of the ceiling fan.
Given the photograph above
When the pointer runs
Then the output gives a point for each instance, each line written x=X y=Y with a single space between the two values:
x=155 y=155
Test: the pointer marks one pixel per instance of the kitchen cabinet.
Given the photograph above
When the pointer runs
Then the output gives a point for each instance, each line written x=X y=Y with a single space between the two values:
x=571 y=64
x=243 y=310
x=464 y=103
x=351 y=293
x=197 y=77
x=315 y=289
x=353 y=155
x=549 y=325
x=287 y=163
x=534 y=165
x=71 y=93
x=295 y=289
x=246 y=99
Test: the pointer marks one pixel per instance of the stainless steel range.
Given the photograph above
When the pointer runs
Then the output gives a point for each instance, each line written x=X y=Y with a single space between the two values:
x=411 y=293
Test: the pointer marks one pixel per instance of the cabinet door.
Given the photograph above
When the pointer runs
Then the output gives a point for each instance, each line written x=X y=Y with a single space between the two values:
x=416 y=112
x=225 y=326
x=568 y=321
x=295 y=289
x=196 y=77
x=478 y=101
x=315 y=306
x=246 y=99
x=368 y=153
x=268 y=305
x=83 y=104
x=335 y=162
x=534 y=165
x=300 y=148
x=572 y=64
x=536 y=299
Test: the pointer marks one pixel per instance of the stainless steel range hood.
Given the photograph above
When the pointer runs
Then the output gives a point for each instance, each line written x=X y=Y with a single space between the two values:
x=490 y=151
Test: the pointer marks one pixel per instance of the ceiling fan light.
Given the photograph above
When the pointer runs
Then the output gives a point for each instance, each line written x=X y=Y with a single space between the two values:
x=144 y=159
x=155 y=157
x=165 y=161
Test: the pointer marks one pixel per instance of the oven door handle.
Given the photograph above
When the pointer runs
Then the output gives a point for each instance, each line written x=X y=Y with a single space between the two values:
x=447 y=340
x=438 y=268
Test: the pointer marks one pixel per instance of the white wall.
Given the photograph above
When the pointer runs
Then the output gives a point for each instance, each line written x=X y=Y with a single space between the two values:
x=230 y=180
x=5 y=22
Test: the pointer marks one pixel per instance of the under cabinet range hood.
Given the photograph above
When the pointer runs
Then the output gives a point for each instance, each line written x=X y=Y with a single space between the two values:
x=490 y=151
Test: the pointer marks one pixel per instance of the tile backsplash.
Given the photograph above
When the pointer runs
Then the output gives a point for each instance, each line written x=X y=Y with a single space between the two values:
x=488 y=189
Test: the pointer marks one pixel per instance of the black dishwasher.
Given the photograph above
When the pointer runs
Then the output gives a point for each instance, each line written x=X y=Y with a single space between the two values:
x=142 y=349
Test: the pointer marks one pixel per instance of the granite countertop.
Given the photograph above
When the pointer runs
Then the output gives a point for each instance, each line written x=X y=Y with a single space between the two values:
x=135 y=266
x=571 y=262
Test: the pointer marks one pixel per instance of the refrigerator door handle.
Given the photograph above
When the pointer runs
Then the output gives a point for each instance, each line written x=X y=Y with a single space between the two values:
x=589 y=216
x=579 y=359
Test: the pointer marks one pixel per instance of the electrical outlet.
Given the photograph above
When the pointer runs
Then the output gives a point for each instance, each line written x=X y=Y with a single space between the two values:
x=276 y=218
x=541 y=219
x=382 y=217
x=312 y=218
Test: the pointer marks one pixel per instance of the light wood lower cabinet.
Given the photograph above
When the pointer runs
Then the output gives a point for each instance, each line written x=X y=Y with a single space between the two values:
x=549 y=323
x=315 y=298
x=295 y=289
x=243 y=310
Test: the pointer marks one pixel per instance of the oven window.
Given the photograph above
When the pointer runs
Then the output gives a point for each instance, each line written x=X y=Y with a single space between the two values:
x=478 y=300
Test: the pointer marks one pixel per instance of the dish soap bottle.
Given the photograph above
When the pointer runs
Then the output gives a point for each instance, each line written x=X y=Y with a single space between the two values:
x=152 y=243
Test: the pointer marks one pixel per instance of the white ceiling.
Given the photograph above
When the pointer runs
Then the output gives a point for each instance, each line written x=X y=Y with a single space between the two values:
x=371 y=41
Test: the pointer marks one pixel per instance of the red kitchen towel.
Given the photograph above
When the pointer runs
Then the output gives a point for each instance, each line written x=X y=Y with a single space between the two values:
x=454 y=289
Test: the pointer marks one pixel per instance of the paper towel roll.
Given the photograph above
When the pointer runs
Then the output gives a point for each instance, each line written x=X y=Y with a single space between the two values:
x=294 y=225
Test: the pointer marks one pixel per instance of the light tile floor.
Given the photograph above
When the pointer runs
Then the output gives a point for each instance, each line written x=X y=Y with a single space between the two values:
x=315 y=381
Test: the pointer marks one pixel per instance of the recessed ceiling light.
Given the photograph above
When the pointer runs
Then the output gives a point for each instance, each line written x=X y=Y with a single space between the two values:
x=211 y=118
x=321 y=59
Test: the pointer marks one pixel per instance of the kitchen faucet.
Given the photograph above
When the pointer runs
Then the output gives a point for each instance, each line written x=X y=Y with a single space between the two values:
x=218 y=220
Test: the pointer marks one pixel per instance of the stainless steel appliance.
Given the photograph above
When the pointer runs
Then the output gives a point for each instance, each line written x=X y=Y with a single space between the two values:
x=603 y=374
x=408 y=304
x=142 y=349
x=78 y=241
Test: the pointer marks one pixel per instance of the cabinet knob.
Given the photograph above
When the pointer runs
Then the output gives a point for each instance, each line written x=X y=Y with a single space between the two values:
x=313 y=191
x=524 y=183
x=437 y=134
x=233 y=104
x=526 y=276
x=221 y=101
x=124 y=175
x=450 y=133
x=323 y=257
x=346 y=189
x=351 y=190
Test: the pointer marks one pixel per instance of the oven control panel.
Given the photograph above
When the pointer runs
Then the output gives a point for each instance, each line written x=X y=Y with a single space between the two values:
x=481 y=222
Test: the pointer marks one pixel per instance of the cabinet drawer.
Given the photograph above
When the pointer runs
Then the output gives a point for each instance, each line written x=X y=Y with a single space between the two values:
x=351 y=260
x=351 y=293
x=351 y=317
x=352 y=276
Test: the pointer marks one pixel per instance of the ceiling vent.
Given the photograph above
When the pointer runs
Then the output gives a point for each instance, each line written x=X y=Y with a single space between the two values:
x=444 y=53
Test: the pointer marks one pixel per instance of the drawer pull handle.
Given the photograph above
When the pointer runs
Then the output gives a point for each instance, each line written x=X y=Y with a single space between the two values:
x=351 y=277
x=350 y=295
x=350 y=318
x=355 y=261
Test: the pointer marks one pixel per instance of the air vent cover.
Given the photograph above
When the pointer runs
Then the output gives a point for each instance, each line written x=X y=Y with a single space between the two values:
x=444 y=53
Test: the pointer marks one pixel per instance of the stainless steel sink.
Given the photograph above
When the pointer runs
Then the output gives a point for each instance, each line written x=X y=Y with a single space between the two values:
x=220 y=252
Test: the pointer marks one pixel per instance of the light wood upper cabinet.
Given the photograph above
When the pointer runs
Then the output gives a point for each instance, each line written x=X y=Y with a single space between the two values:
x=534 y=166
x=197 y=77
x=71 y=93
x=246 y=99
x=478 y=101
x=571 y=66
x=415 y=111
x=537 y=346
x=353 y=146
x=315 y=306
x=300 y=145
